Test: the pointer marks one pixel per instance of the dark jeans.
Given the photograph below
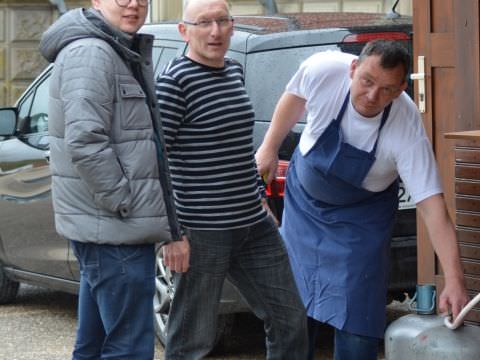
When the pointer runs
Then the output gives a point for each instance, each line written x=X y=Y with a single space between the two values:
x=255 y=261
x=115 y=305
x=347 y=346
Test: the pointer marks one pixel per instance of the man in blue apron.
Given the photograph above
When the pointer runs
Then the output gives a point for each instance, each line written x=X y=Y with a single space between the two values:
x=362 y=133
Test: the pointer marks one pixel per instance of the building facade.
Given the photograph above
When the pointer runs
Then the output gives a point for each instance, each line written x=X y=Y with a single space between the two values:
x=172 y=9
x=22 y=23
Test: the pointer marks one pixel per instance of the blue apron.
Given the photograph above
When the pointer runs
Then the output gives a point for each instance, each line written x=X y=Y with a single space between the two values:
x=338 y=234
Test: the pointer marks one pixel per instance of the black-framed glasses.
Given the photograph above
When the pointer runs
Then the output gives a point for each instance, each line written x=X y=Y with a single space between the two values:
x=222 y=22
x=125 y=3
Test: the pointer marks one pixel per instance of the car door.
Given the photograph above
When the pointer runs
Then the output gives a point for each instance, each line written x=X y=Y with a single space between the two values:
x=27 y=231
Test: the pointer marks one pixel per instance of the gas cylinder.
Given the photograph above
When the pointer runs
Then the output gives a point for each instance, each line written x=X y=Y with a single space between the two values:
x=433 y=337
x=401 y=333
x=441 y=343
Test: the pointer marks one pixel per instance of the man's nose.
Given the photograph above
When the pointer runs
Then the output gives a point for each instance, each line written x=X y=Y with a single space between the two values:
x=373 y=94
x=215 y=28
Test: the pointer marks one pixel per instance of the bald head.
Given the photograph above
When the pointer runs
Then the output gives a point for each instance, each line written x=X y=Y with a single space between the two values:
x=192 y=7
x=207 y=27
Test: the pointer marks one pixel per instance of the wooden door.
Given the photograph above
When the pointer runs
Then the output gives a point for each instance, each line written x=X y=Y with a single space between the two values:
x=446 y=33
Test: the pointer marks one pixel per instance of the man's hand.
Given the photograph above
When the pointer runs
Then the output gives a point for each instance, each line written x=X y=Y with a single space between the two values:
x=453 y=297
x=176 y=255
x=288 y=112
x=267 y=163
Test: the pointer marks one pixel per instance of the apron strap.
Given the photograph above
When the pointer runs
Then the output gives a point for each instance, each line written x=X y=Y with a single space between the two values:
x=386 y=112
x=339 y=117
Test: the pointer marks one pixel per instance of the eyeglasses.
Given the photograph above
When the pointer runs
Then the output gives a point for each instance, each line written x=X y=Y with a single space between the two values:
x=125 y=3
x=222 y=22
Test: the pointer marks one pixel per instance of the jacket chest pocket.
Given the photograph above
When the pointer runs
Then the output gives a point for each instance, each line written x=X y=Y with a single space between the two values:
x=133 y=108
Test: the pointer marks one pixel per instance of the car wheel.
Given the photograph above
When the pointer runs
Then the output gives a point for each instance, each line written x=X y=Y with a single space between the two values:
x=162 y=301
x=163 y=298
x=8 y=288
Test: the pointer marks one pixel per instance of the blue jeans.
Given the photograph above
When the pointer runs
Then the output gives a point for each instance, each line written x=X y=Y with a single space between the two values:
x=348 y=346
x=255 y=260
x=115 y=305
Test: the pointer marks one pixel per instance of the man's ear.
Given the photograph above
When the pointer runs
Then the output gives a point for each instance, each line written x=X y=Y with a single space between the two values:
x=353 y=66
x=182 y=29
x=402 y=88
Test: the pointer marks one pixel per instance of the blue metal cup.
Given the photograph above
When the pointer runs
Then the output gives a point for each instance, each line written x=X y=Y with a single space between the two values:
x=424 y=299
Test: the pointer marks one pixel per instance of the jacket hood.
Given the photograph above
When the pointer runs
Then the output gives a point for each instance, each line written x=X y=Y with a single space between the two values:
x=84 y=23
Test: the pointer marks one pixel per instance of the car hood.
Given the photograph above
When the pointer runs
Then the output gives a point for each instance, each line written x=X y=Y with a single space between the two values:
x=84 y=23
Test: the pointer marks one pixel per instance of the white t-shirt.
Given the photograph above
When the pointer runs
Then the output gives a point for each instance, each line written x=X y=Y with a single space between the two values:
x=323 y=80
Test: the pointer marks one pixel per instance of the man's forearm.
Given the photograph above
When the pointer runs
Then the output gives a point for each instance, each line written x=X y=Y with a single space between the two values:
x=289 y=110
x=442 y=235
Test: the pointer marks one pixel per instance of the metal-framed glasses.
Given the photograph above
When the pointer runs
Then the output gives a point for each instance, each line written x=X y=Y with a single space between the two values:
x=222 y=22
x=125 y=3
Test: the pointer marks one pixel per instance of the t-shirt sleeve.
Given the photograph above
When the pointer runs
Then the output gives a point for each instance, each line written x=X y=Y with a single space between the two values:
x=418 y=170
x=298 y=83
x=323 y=72
x=323 y=81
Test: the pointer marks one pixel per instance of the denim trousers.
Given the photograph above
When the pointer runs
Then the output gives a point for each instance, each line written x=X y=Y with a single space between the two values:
x=115 y=304
x=347 y=346
x=254 y=259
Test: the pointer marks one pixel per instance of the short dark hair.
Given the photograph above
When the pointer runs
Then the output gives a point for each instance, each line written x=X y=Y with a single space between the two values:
x=392 y=54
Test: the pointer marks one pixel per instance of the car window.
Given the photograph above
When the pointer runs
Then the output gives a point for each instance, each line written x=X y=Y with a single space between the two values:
x=266 y=86
x=33 y=116
x=163 y=52
x=165 y=55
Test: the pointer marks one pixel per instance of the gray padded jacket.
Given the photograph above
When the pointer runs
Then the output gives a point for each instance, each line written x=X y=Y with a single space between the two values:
x=110 y=180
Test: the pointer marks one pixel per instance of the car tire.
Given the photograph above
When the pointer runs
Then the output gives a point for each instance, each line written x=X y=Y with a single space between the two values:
x=8 y=288
x=164 y=293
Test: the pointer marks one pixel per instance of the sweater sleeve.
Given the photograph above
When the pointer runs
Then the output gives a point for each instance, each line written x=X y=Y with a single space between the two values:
x=172 y=107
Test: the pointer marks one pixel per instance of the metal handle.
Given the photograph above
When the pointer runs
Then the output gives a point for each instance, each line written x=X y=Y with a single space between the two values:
x=46 y=155
x=420 y=77
x=415 y=308
x=458 y=321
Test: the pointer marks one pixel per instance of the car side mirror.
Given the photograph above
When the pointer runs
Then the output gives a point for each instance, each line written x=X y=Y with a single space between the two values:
x=8 y=121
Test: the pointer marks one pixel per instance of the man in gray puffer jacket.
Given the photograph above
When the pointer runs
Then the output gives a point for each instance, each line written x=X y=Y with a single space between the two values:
x=111 y=189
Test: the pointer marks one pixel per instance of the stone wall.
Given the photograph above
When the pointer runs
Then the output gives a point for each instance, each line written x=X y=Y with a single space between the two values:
x=21 y=26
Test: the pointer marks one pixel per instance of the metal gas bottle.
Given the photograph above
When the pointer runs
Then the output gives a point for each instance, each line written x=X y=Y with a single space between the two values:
x=441 y=343
x=401 y=333
x=432 y=337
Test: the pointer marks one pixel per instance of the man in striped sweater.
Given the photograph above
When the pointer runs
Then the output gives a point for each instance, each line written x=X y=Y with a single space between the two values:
x=208 y=123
